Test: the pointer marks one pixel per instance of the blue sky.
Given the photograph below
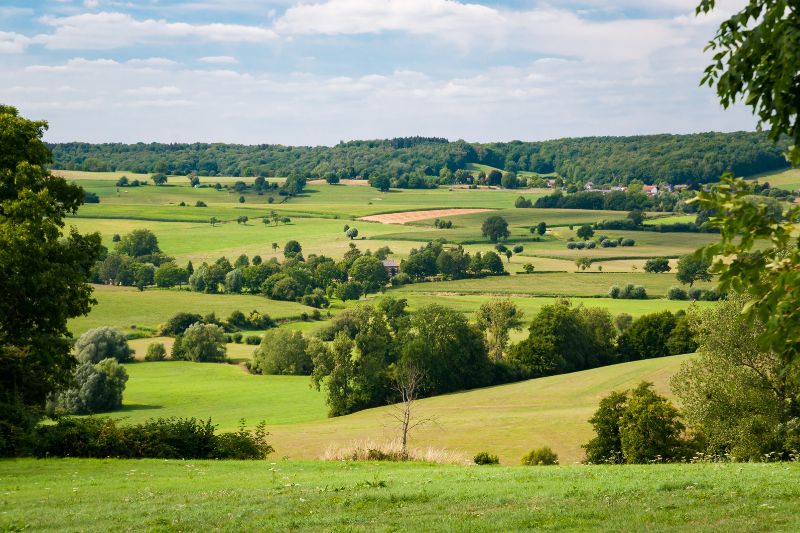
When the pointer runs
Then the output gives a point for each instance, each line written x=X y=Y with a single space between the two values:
x=321 y=71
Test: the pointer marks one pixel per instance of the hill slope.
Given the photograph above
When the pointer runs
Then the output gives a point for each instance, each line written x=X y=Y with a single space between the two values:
x=507 y=420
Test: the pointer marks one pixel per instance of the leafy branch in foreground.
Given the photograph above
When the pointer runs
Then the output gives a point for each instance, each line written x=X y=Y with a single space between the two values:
x=757 y=57
x=757 y=255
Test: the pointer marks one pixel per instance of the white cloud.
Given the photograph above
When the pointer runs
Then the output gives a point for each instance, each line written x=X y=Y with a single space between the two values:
x=105 y=31
x=91 y=3
x=12 y=43
x=543 y=30
x=219 y=60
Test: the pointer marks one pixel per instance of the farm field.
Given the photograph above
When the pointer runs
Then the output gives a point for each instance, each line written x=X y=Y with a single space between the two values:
x=226 y=393
x=157 y=495
x=785 y=179
x=586 y=284
x=125 y=307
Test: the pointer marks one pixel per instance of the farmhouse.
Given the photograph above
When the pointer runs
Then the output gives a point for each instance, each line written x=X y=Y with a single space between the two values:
x=392 y=268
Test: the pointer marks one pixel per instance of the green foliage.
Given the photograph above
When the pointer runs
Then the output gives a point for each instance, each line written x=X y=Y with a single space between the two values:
x=162 y=438
x=169 y=274
x=155 y=352
x=201 y=343
x=100 y=343
x=647 y=337
x=743 y=399
x=96 y=388
x=540 y=457
x=495 y=228
x=628 y=292
x=755 y=59
x=138 y=243
x=348 y=290
x=757 y=256
x=292 y=249
x=677 y=293
x=283 y=351
x=692 y=268
x=369 y=272
x=565 y=338
x=485 y=458
x=585 y=232
x=657 y=265
x=178 y=323
x=497 y=318
x=43 y=284
x=637 y=426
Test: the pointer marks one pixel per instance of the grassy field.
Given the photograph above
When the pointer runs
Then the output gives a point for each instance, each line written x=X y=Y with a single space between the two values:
x=153 y=495
x=587 y=284
x=506 y=420
x=224 y=392
x=126 y=307
x=785 y=179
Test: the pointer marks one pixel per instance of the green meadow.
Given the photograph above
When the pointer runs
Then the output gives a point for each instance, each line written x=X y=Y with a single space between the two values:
x=157 y=495
x=128 y=309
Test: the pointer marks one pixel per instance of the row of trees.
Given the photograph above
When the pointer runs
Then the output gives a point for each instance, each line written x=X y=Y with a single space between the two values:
x=422 y=162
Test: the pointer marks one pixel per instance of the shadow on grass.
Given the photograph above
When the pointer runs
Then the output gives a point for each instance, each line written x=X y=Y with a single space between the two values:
x=140 y=407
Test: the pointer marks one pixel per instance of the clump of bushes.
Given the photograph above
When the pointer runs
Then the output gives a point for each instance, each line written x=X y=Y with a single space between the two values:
x=100 y=343
x=540 y=456
x=485 y=458
x=96 y=388
x=155 y=352
x=628 y=292
x=677 y=293
x=162 y=438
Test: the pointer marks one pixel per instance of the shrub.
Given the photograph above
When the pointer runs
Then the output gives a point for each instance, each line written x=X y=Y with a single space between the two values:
x=178 y=323
x=200 y=203
x=252 y=340
x=614 y=291
x=282 y=352
x=590 y=245
x=627 y=242
x=162 y=438
x=98 y=388
x=518 y=249
x=485 y=458
x=200 y=343
x=571 y=245
x=540 y=456
x=676 y=293
x=695 y=293
x=155 y=352
x=580 y=245
x=634 y=292
x=100 y=343
x=237 y=338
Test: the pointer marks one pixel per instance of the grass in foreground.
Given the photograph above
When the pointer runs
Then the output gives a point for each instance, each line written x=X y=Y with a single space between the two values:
x=157 y=495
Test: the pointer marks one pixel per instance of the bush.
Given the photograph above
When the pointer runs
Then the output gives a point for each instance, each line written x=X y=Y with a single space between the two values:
x=100 y=343
x=282 y=352
x=627 y=242
x=540 y=456
x=580 y=245
x=200 y=343
x=677 y=293
x=485 y=458
x=614 y=291
x=155 y=352
x=237 y=338
x=695 y=293
x=163 y=438
x=571 y=245
x=98 y=388
x=634 y=292
x=252 y=340
x=178 y=323
x=590 y=245
x=200 y=203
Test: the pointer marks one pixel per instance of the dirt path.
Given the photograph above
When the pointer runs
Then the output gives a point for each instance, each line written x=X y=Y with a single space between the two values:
x=413 y=216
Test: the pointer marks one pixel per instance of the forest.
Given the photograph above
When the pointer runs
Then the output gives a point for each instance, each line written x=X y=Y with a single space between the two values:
x=421 y=162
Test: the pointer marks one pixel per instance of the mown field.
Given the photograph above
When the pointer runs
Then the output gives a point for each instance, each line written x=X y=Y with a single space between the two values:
x=157 y=495
x=785 y=179
x=127 y=309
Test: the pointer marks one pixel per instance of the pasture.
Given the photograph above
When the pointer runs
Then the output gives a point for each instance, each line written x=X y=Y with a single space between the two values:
x=507 y=420
x=158 y=495
x=128 y=309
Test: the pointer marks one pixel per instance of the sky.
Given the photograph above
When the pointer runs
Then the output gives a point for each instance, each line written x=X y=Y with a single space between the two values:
x=323 y=71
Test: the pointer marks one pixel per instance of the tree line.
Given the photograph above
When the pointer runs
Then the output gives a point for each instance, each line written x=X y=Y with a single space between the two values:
x=421 y=162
